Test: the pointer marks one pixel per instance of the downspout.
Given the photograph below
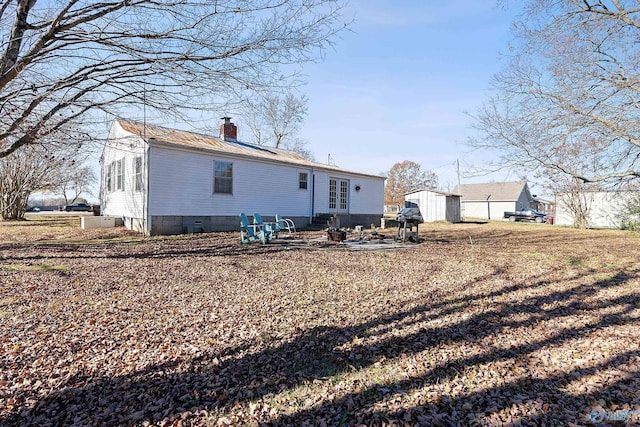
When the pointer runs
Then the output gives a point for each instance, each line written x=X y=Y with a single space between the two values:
x=147 y=163
x=101 y=195
x=313 y=195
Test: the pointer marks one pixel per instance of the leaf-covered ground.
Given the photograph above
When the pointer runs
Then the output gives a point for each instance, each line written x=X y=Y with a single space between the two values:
x=481 y=324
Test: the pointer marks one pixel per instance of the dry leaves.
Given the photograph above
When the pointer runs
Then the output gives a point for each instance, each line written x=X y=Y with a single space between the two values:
x=530 y=325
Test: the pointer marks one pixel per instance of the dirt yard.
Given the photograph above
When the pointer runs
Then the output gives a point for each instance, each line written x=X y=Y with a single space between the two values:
x=481 y=324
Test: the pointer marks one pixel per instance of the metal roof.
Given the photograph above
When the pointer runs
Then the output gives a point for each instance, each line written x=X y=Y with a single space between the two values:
x=159 y=135
x=433 y=191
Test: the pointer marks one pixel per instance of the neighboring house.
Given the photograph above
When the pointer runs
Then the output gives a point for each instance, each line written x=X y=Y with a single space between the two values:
x=604 y=209
x=543 y=205
x=435 y=205
x=167 y=181
x=492 y=200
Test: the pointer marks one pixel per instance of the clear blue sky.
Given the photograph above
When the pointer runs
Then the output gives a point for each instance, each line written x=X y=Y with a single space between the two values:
x=398 y=85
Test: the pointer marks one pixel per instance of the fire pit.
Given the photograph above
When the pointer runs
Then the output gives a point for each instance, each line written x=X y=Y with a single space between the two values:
x=336 y=235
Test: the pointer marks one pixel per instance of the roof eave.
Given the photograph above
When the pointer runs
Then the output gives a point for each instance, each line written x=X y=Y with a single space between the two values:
x=320 y=167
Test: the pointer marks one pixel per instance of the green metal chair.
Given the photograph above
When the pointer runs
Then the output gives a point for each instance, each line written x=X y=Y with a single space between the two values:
x=285 y=223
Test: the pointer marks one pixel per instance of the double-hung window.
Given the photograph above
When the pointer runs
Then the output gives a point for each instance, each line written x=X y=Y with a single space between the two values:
x=303 y=180
x=138 y=173
x=120 y=175
x=109 y=178
x=115 y=176
x=223 y=177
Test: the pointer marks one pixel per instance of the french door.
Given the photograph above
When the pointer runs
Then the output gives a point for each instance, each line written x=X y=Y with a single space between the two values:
x=338 y=195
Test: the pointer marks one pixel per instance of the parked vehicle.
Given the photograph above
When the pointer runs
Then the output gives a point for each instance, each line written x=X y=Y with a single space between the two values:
x=528 y=215
x=78 y=207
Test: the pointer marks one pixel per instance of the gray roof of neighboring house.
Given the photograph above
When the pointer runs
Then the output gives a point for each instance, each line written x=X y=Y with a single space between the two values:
x=499 y=191
x=173 y=137
x=433 y=191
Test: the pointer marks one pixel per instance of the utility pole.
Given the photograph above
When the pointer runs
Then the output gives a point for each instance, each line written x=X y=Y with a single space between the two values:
x=458 y=170
x=144 y=111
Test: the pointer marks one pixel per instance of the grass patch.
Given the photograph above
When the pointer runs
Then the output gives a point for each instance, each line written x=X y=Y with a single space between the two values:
x=34 y=267
x=4 y=303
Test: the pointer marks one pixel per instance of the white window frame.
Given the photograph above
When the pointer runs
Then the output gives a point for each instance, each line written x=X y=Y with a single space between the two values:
x=109 y=179
x=137 y=171
x=120 y=174
x=305 y=181
x=112 y=171
x=225 y=179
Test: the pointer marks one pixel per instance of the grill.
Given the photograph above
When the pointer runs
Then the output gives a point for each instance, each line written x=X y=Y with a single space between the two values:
x=408 y=219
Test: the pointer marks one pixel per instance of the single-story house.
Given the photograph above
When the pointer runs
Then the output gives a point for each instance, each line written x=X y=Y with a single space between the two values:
x=167 y=181
x=543 y=205
x=604 y=209
x=435 y=205
x=491 y=200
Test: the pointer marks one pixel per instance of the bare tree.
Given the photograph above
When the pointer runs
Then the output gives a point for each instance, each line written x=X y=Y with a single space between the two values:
x=284 y=116
x=575 y=195
x=60 y=61
x=73 y=181
x=32 y=169
x=276 y=120
x=569 y=95
x=405 y=177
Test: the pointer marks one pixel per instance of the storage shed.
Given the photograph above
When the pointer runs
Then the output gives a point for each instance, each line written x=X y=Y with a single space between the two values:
x=435 y=205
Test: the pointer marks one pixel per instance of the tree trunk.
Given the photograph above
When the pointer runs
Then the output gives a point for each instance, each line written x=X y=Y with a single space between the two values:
x=14 y=208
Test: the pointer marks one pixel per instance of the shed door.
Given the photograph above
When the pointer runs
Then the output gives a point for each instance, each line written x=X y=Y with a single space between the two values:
x=338 y=195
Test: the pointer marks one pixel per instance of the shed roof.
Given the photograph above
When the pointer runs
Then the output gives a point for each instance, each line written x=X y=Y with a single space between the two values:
x=499 y=191
x=433 y=191
x=160 y=135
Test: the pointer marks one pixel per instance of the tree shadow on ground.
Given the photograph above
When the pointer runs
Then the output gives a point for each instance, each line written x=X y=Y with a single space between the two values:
x=239 y=379
x=154 y=250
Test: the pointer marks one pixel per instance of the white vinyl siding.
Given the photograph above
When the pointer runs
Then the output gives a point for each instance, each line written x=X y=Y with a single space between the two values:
x=368 y=200
x=182 y=184
x=125 y=148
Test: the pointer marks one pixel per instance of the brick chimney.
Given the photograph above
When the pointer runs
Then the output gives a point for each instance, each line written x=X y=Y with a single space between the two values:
x=228 y=131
